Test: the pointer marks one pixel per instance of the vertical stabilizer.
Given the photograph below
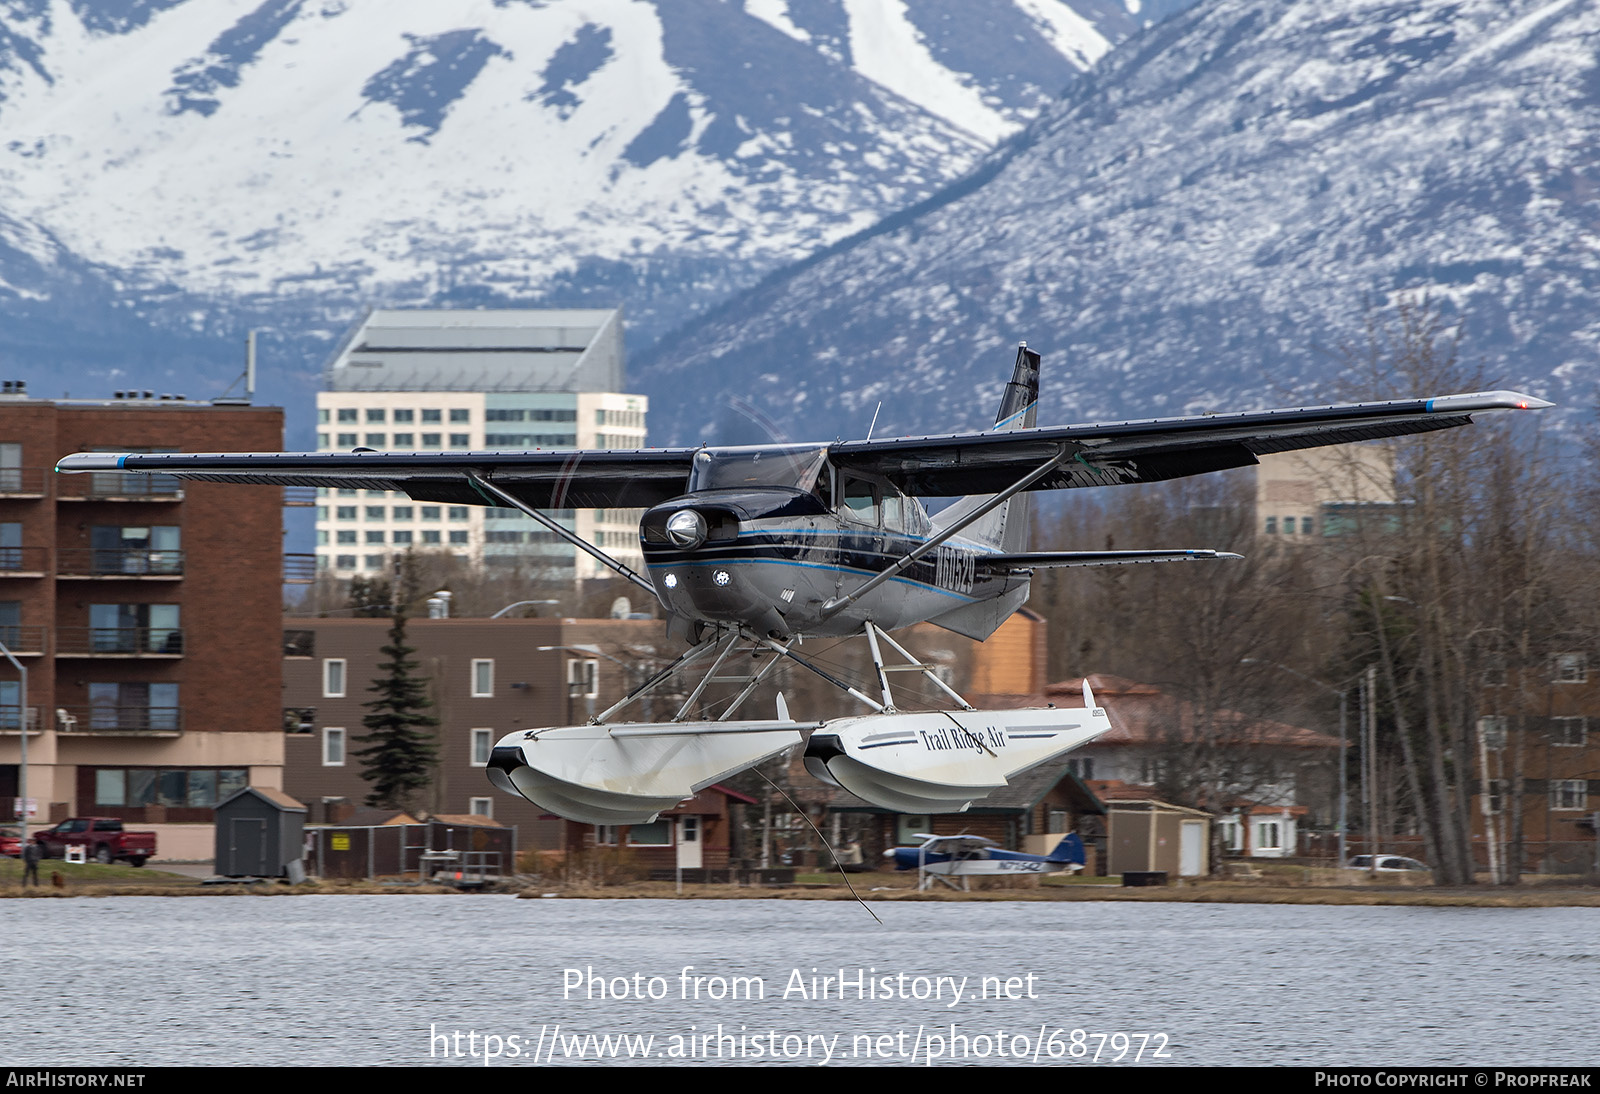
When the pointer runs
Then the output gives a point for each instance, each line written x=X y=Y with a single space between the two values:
x=1006 y=528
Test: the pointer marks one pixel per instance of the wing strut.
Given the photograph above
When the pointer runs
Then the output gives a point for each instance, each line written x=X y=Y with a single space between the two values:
x=490 y=490
x=838 y=603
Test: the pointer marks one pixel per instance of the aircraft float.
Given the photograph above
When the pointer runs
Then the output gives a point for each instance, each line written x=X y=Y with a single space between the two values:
x=754 y=548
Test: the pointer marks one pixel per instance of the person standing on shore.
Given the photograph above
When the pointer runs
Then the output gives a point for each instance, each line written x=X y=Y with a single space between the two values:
x=31 y=854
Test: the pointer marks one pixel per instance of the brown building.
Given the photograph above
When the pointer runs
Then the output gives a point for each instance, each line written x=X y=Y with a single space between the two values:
x=146 y=611
x=485 y=678
x=1548 y=730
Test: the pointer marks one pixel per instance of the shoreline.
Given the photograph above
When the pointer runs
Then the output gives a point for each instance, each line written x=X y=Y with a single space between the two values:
x=1222 y=892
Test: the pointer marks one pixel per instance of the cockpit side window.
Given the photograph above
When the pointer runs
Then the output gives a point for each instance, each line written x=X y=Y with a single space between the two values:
x=862 y=500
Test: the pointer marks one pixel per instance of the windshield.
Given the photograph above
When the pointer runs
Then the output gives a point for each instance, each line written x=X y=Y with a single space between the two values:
x=792 y=465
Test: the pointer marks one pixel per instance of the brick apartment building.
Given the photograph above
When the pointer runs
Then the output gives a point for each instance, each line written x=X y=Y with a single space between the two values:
x=147 y=612
x=1545 y=727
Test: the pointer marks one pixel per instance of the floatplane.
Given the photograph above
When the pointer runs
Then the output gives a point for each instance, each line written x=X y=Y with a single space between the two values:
x=952 y=859
x=755 y=548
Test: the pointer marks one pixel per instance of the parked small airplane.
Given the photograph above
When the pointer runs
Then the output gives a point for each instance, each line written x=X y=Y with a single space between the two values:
x=943 y=857
x=754 y=548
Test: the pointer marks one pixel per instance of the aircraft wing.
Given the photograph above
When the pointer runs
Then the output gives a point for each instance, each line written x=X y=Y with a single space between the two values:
x=950 y=845
x=563 y=479
x=947 y=465
x=1152 y=449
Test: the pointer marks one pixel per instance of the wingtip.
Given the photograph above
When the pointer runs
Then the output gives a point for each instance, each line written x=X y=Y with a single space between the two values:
x=89 y=461
x=1486 y=400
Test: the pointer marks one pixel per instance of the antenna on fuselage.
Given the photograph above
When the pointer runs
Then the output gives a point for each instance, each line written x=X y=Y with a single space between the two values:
x=874 y=424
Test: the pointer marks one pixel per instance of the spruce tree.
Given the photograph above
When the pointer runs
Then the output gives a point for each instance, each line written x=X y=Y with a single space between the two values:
x=401 y=749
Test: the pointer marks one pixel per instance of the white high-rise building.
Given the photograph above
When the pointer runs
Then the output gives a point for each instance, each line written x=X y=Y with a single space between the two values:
x=470 y=380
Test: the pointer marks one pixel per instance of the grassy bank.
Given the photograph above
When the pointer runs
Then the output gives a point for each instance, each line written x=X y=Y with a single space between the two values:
x=1287 y=885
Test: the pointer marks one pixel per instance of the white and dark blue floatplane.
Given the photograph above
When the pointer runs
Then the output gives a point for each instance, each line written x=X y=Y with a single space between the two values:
x=754 y=548
x=964 y=856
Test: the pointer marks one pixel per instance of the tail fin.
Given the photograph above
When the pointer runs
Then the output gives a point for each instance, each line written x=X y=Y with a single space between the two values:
x=1068 y=850
x=1006 y=528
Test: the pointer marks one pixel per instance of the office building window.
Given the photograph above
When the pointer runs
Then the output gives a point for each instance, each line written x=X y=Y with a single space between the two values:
x=583 y=678
x=1492 y=727
x=405 y=440
x=404 y=417
x=1571 y=668
x=1568 y=732
x=333 y=673
x=332 y=747
x=347 y=440
x=482 y=746
x=1569 y=793
x=375 y=539
x=459 y=538
x=458 y=512
x=482 y=678
x=460 y=414
x=348 y=414
x=377 y=440
x=430 y=416
x=376 y=414
x=460 y=440
x=430 y=537
x=431 y=440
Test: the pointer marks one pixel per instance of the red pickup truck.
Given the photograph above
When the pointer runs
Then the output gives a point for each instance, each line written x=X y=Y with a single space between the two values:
x=102 y=837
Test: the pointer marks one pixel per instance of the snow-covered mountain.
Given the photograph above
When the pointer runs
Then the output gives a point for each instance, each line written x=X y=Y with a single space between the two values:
x=1199 y=221
x=198 y=166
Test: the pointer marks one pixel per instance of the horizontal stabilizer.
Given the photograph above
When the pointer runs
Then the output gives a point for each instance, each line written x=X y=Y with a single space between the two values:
x=1029 y=560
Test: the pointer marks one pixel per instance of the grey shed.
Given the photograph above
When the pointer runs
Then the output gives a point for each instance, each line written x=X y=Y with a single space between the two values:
x=260 y=831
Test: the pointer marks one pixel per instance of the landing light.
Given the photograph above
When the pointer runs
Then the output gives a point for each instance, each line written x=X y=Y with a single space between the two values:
x=721 y=577
x=686 y=529
x=670 y=581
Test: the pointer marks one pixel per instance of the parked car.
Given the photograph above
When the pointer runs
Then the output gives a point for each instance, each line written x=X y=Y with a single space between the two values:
x=1388 y=864
x=102 y=837
x=11 y=842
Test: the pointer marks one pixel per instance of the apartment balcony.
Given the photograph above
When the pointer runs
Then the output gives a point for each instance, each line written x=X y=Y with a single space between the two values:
x=24 y=483
x=120 y=721
x=11 y=717
x=22 y=641
x=299 y=569
x=23 y=561
x=119 y=486
x=119 y=642
x=113 y=564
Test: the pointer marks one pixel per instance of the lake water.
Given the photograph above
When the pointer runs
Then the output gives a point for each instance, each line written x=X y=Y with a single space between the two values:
x=391 y=980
